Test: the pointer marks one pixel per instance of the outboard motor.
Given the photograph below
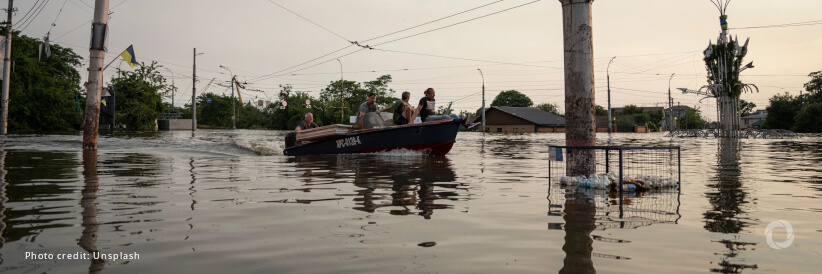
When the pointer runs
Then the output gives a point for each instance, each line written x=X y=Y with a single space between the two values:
x=372 y=120
x=290 y=139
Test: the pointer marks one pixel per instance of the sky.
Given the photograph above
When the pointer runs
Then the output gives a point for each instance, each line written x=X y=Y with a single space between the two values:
x=440 y=44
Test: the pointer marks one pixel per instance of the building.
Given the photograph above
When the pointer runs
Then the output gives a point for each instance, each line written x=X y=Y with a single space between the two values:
x=754 y=120
x=520 y=120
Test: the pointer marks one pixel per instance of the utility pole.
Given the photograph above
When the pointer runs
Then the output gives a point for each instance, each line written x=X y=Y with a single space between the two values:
x=7 y=71
x=608 y=74
x=342 y=103
x=483 y=102
x=99 y=29
x=670 y=105
x=233 y=109
x=194 y=96
x=579 y=84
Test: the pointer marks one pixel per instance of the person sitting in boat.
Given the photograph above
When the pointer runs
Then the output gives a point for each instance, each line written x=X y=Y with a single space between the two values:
x=426 y=107
x=307 y=123
x=369 y=106
x=402 y=110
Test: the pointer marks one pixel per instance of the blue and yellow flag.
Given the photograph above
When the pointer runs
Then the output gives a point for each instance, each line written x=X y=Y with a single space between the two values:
x=128 y=55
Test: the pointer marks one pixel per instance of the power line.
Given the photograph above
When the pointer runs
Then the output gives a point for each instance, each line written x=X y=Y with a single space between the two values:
x=458 y=23
x=312 y=22
x=28 y=21
x=797 y=24
x=58 y=16
x=272 y=75
x=436 y=20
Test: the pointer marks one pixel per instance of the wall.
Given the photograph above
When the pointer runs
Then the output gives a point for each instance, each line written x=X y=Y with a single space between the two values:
x=174 y=124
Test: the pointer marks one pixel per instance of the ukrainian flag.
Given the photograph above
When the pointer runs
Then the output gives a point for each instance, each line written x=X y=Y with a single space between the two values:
x=723 y=23
x=128 y=55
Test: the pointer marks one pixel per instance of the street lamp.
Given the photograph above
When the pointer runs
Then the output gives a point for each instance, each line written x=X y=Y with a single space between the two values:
x=749 y=65
x=173 y=87
x=342 y=103
x=670 y=103
x=483 y=101
x=608 y=74
x=194 y=94
x=233 y=112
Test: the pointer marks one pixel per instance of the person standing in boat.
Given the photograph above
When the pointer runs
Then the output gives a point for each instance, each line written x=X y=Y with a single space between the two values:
x=426 y=107
x=307 y=123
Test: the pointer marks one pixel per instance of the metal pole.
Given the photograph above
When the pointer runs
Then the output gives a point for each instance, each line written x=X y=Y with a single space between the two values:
x=342 y=103
x=483 y=102
x=7 y=72
x=608 y=74
x=172 y=89
x=233 y=108
x=670 y=105
x=579 y=84
x=113 y=108
x=95 y=75
x=193 y=96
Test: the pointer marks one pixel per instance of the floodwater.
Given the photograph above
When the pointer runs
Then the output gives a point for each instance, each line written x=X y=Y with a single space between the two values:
x=229 y=201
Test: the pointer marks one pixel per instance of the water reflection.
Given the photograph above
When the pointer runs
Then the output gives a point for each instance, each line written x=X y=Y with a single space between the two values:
x=398 y=185
x=29 y=180
x=728 y=198
x=3 y=198
x=587 y=210
x=88 y=202
x=580 y=221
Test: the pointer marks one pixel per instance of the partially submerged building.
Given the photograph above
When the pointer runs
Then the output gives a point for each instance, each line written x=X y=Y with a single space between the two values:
x=520 y=120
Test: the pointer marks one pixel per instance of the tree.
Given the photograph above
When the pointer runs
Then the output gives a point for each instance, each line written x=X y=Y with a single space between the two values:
x=814 y=86
x=140 y=96
x=692 y=118
x=511 y=98
x=632 y=109
x=355 y=94
x=214 y=110
x=782 y=111
x=807 y=120
x=551 y=108
x=641 y=119
x=601 y=111
x=655 y=118
x=746 y=108
x=45 y=94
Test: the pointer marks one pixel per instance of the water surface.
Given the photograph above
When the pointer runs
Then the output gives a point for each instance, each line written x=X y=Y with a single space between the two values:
x=229 y=201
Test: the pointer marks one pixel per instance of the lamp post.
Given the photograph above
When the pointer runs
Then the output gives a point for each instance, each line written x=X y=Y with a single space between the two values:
x=483 y=101
x=608 y=74
x=670 y=104
x=194 y=95
x=172 y=85
x=233 y=111
x=342 y=103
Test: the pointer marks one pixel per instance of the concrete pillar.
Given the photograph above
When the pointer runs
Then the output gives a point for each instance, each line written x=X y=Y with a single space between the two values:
x=579 y=84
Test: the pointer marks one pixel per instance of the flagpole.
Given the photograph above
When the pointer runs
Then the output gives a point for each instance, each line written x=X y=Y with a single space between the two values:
x=112 y=62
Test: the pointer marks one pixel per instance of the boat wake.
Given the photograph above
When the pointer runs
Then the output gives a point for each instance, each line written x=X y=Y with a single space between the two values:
x=261 y=148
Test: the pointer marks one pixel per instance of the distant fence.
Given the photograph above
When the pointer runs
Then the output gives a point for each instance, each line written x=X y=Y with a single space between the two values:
x=745 y=134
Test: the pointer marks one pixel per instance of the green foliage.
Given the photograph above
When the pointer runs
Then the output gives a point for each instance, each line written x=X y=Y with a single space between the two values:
x=355 y=94
x=601 y=111
x=655 y=118
x=725 y=54
x=623 y=122
x=814 y=86
x=218 y=112
x=139 y=96
x=782 y=111
x=641 y=119
x=692 y=118
x=632 y=109
x=808 y=119
x=42 y=93
x=551 y=108
x=511 y=98
x=746 y=108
